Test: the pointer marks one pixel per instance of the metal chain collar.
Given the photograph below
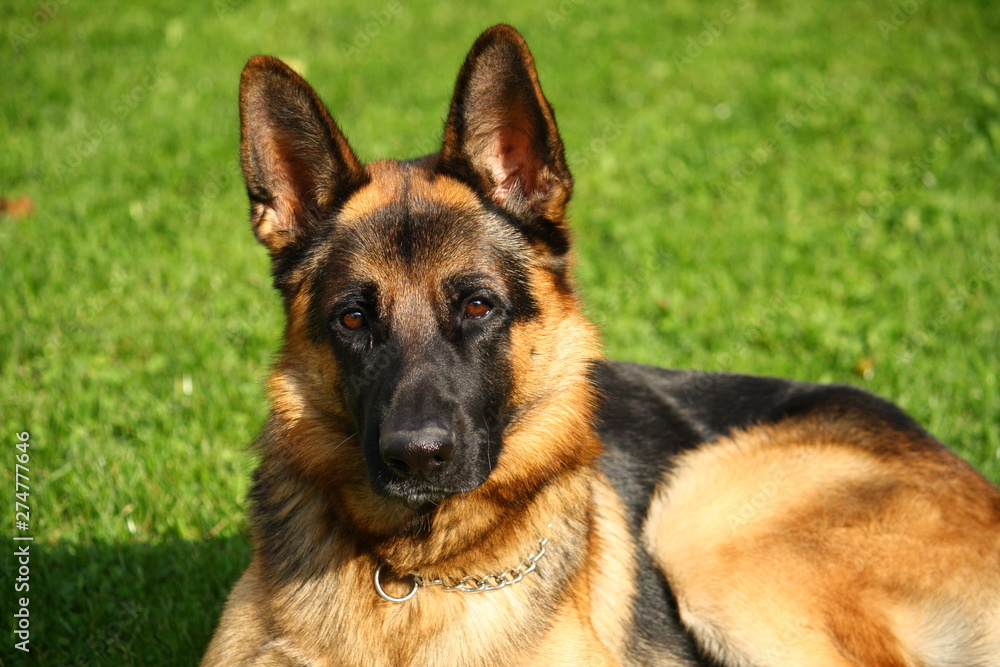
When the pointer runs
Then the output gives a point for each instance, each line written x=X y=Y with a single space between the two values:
x=472 y=584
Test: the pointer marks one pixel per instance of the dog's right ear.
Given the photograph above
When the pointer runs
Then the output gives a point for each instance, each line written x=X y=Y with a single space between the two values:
x=297 y=164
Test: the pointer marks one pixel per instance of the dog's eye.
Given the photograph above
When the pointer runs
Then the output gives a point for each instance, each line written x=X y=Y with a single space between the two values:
x=354 y=320
x=477 y=309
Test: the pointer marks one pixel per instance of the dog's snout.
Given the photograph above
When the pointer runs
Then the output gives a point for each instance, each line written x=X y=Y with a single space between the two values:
x=417 y=452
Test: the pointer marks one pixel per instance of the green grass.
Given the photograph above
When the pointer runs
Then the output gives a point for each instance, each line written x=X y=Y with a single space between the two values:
x=782 y=189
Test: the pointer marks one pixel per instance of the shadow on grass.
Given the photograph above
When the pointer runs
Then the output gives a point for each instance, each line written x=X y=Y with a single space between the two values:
x=123 y=604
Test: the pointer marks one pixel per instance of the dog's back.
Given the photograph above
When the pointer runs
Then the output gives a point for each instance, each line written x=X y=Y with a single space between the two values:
x=821 y=526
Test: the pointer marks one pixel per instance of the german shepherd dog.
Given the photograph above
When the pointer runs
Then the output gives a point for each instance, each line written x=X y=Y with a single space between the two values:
x=452 y=475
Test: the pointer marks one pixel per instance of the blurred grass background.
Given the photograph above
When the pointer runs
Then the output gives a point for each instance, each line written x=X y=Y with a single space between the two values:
x=785 y=188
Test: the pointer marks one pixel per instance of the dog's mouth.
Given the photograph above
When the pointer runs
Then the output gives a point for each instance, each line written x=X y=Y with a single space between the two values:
x=421 y=499
x=424 y=503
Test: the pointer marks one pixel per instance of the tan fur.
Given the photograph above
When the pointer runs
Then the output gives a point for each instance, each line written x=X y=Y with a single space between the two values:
x=612 y=572
x=795 y=544
x=814 y=541
x=389 y=178
x=386 y=184
x=336 y=618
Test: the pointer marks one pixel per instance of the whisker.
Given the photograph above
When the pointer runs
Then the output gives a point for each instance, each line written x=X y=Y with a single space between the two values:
x=343 y=441
x=489 y=463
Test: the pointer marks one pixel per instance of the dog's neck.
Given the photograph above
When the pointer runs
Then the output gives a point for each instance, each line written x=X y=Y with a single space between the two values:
x=467 y=534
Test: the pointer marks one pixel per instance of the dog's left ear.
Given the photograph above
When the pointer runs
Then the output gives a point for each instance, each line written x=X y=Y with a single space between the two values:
x=501 y=136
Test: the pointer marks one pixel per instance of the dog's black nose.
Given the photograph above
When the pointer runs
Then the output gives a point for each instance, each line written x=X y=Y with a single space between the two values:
x=417 y=453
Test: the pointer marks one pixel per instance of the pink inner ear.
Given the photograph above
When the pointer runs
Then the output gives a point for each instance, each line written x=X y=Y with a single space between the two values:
x=513 y=164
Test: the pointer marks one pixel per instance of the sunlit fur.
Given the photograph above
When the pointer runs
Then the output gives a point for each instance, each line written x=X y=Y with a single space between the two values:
x=688 y=516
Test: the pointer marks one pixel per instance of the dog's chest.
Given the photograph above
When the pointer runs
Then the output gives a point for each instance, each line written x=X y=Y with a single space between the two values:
x=331 y=622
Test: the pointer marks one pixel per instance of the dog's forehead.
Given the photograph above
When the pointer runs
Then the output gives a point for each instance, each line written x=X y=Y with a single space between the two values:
x=407 y=218
x=395 y=183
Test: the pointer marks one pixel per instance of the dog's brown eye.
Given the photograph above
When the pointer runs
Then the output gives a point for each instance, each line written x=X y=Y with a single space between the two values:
x=476 y=309
x=354 y=319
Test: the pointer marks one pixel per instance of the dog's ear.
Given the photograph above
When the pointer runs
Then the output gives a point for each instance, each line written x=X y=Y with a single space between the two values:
x=297 y=164
x=501 y=135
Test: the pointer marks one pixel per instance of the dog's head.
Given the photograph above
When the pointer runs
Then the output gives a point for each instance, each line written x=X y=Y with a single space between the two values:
x=432 y=332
